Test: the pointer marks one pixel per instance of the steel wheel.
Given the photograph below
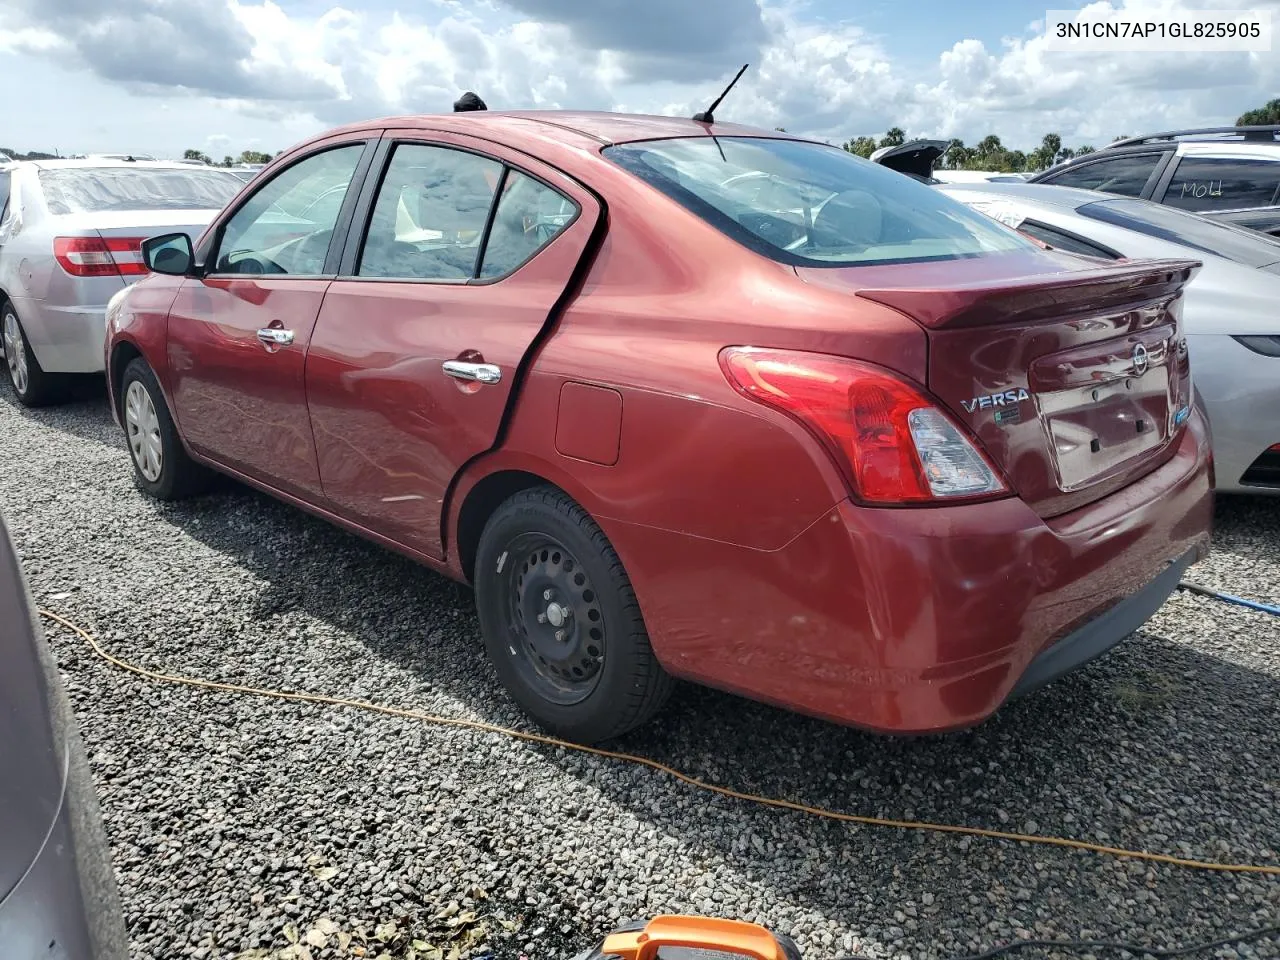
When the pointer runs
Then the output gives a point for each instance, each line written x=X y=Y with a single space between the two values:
x=557 y=625
x=143 y=428
x=15 y=352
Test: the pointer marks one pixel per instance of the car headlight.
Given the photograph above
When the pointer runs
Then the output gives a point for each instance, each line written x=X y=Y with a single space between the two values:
x=1267 y=346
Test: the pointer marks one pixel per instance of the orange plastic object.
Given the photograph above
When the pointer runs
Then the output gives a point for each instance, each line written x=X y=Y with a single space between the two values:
x=703 y=933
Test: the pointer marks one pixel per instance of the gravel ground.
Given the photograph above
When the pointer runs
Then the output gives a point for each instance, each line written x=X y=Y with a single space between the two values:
x=239 y=824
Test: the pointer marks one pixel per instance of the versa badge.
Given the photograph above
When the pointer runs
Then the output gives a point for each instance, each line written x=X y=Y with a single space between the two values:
x=1008 y=398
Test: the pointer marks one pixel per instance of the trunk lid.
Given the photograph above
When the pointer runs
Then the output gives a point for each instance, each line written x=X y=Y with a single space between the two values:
x=1073 y=377
x=125 y=230
x=153 y=223
x=916 y=158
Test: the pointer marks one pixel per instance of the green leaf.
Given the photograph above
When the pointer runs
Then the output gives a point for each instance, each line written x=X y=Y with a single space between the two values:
x=291 y=932
x=385 y=932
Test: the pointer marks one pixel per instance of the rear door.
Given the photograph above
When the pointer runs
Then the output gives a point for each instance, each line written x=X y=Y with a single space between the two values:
x=459 y=253
x=238 y=335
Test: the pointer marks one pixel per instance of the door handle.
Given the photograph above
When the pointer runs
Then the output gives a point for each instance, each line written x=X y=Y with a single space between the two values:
x=477 y=372
x=275 y=337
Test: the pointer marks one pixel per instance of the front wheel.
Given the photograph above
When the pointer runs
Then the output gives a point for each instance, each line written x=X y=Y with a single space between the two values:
x=161 y=465
x=560 y=620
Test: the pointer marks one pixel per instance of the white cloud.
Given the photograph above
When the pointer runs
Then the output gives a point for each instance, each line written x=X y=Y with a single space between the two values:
x=261 y=63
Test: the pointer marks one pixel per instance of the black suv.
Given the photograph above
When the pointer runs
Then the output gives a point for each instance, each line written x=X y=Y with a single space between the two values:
x=1226 y=173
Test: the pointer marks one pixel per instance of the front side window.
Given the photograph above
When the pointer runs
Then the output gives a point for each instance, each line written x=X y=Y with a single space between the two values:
x=286 y=227
x=1126 y=176
x=430 y=214
x=808 y=204
x=1224 y=183
x=127 y=188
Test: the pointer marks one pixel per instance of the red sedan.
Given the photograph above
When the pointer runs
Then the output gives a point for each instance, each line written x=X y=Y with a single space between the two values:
x=686 y=399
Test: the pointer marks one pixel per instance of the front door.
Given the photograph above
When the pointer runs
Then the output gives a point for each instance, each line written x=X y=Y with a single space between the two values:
x=238 y=336
x=465 y=254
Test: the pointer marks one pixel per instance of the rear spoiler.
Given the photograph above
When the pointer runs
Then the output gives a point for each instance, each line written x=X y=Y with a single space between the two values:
x=1040 y=296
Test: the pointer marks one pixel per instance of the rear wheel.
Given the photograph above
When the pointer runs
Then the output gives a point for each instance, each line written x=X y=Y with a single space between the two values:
x=561 y=622
x=161 y=465
x=31 y=385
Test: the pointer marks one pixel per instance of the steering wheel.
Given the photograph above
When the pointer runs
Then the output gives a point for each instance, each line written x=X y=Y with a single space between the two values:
x=310 y=250
x=773 y=229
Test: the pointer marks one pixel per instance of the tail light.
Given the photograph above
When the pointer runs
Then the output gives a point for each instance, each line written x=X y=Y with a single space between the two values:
x=892 y=442
x=100 y=256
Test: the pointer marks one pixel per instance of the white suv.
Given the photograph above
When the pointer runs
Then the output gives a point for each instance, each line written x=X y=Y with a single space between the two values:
x=1227 y=173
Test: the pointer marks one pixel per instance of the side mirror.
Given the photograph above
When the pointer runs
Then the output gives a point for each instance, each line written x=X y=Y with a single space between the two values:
x=169 y=254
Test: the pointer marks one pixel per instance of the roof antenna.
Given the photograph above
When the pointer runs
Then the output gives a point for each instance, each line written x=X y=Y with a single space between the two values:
x=708 y=115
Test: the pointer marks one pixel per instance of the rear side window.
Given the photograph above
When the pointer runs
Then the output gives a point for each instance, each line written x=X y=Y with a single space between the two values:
x=430 y=214
x=807 y=204
x=113 y=189
x=530 y=215
x=4 y=195
x=1126 y=176
x=1062 y=240
x=435 y=205
x=1224 y=183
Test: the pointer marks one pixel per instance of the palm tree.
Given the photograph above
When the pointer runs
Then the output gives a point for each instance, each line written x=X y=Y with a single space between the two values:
x=1263 y=115
x=893 y=137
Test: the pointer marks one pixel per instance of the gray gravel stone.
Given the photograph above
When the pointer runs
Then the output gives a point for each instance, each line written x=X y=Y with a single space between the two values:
x=241 y=824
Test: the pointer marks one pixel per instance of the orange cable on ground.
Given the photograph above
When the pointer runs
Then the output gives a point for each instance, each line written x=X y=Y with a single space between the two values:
x=483 y=727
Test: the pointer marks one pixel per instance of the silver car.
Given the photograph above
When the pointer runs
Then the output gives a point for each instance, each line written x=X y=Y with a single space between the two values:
x=71 y=234
x=1231 y=312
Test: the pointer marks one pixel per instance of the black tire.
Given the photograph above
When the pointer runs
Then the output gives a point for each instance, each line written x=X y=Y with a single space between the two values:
x=179 y=476
x=540 y=544
x=39 y=389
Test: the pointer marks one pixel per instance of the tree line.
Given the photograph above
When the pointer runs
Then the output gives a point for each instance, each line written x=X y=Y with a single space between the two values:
x=987 y=154
x=990 y=154
x=246 y=156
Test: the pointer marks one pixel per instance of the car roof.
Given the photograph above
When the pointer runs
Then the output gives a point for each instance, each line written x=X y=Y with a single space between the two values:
x=1243 y=147
x=1182 y=147
x=97 y=163
x=1044 y=194
x=576 y=127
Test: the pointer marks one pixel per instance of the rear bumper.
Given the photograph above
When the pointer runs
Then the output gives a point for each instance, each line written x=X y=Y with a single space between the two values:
x=1101 y=634
x=65 y=339
x=921 y=620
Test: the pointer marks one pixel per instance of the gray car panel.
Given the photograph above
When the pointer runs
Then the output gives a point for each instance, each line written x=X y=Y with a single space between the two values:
x=58 y=898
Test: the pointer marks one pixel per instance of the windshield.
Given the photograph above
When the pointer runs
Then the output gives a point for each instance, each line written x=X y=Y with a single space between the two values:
x=807 y=204
x=109 y=189
x=1243 y=246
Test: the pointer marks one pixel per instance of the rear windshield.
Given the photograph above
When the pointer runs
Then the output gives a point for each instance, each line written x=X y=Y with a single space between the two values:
x=108 y=189
x=807 y=204
x=1235 y=243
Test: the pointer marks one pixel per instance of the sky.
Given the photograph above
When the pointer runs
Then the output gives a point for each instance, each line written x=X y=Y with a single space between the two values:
x=222 y=76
